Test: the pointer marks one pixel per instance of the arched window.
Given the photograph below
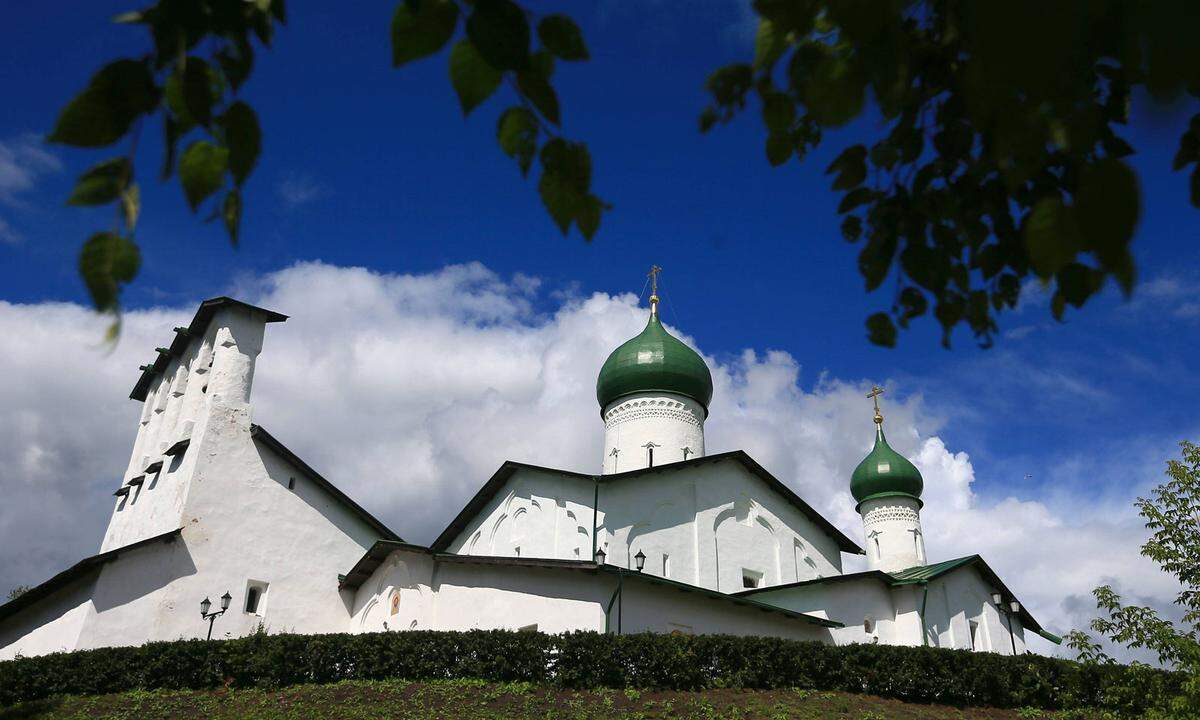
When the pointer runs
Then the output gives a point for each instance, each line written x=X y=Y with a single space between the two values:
x=252 y=599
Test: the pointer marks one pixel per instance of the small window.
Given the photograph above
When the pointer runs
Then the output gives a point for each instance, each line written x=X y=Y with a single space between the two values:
x=666 y=565
x=974 y=635
x=751 y=578
x=291 y=483
x=256 y=597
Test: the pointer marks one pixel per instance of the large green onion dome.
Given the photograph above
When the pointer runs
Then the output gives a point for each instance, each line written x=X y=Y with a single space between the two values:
x=654 y=361
x=885 y=473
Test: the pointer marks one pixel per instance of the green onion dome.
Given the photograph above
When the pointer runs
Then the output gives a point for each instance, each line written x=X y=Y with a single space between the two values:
x=885 y=473
x=654 y=361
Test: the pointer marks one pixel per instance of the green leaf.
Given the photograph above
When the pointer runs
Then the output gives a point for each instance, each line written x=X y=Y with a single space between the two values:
x=231 y=213
x=587 y=219
x=1107 y=207
x=850 y=166
x=202 y=170
x=131 y=206
x=104 y=111
x=778 y=112
x=500 y=31
x=881 y=331
x=769 y=45
x=517 y=132
x=562 y=37
x=538 y=91
x=106 y=262
x=852 y=228
x=474 y=80
x=201 y=87
x=420 y=28
x=854 y=198
x=243 y=138
x=779 y=149
x=565 y=182
x=103 y=183
x=1051 y=237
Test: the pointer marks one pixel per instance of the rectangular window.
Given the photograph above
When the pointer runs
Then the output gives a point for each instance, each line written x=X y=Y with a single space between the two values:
x=291 y=483
x=666 y=565
x=256 y=598
x=751 y=578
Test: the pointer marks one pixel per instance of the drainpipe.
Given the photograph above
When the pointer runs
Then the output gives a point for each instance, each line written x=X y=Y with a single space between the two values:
x=595 y=510
x=618 y=597
x=924 y=629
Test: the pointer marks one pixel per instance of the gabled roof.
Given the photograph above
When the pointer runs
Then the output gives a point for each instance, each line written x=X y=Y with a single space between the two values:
x=77 y=571
x=920 y=575
x=501 y=476
x=260 y=433
x=379 y=552
x=198 y=326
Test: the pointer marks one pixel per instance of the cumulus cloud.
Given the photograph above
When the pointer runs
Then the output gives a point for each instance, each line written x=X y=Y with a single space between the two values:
x=409 y=390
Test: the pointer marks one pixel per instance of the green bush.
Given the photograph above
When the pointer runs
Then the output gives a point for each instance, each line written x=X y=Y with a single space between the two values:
x=589 y=660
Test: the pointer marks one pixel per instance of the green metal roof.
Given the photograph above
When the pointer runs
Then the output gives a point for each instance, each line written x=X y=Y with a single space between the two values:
x=654 y=361
x=925 y=573
x=885 y=473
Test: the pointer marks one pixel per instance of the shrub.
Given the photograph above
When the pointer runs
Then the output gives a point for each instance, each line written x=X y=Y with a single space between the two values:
x=591 y=660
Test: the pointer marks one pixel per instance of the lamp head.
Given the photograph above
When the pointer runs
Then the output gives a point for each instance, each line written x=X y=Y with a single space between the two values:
x=1015 y=606
x=205 y=604
x=600 y=556
x=225 y=600
x=640 y=559
x=996 y=598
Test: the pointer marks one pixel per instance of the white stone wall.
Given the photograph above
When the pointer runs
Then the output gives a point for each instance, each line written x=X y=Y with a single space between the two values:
x=865 y=606
x=712 y=522
x=671 y=422
x=536 y=514
x=893 y=536
x=961 y=599
x=409 y=591
x=53 y=624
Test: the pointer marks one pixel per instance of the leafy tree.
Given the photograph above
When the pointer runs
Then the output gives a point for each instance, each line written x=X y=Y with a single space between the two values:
x=1173 y=512
x=997 y=156
x=18 y=591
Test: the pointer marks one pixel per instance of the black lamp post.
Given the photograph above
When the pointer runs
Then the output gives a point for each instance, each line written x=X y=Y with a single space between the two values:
x=205 y=604
x=1013 y=608
x=640 y=560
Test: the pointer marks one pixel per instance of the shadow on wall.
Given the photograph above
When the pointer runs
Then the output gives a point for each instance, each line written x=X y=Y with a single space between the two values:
x=153 y=568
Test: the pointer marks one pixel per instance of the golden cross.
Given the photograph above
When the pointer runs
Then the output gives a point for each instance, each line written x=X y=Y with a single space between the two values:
x=654 y=271
x=876 y=391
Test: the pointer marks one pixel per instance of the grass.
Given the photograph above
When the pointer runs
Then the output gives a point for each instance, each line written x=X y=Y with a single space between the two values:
x=478 y=700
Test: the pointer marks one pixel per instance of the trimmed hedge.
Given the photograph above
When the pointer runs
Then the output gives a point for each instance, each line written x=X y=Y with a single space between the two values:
x=588 y=660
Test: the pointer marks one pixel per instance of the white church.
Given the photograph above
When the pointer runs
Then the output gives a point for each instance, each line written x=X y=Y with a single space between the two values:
x=214 y=515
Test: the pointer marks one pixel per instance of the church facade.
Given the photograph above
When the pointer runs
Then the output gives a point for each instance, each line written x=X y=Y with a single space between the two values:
x=665 y=538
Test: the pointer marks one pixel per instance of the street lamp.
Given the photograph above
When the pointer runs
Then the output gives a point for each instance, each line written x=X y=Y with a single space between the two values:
x=205 y=604
x=640 y=559
x=600 y=556
x=1013 y=608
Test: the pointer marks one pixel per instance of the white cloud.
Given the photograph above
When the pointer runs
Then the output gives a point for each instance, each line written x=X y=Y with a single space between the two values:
x=23 y=162
x=298 y=189
x=409 y=390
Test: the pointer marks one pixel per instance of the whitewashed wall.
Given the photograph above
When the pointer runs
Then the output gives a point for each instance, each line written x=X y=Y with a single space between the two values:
x=711 y=521
x=53 y=624
x=462 y=596
x=672 y=422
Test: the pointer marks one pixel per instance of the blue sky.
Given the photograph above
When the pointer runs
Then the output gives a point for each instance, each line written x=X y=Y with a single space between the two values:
x=364 y=165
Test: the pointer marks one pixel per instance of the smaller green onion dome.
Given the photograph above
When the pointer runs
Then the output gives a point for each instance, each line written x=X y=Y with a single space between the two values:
x=654 y=361
x=885 y=473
